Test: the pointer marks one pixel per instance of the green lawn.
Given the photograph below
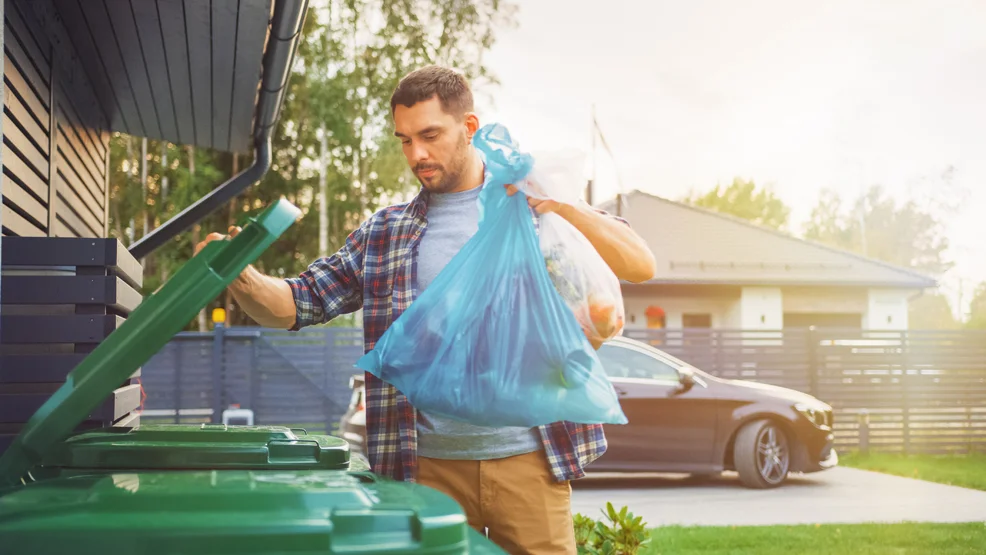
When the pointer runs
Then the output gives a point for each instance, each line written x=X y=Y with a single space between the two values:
x=834 y=539
x=958 y=470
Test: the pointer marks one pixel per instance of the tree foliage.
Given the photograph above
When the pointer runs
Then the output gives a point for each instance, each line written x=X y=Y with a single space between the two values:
x=876 y=225
x=932 y=311
x=351 y=56
x=745 y=200
x=977 y=309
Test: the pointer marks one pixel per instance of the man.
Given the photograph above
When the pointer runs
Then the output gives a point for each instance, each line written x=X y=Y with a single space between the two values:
x=512 y=482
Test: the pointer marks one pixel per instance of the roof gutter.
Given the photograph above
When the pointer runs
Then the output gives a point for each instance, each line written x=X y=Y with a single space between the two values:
x=286 y=25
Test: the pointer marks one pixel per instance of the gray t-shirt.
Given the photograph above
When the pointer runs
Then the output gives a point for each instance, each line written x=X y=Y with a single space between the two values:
x=452 y=219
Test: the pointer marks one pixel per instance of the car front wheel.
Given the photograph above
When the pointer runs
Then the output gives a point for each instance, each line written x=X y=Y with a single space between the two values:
x=761 y=455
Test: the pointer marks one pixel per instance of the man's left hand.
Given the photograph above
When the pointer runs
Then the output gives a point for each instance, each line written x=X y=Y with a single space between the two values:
x=622 y=249
x=541 y=206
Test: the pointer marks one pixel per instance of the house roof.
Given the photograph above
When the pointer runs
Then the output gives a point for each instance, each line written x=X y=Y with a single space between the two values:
x=196 y=73
x=698 y=246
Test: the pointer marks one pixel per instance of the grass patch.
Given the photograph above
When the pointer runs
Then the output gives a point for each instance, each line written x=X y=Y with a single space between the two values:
x=829 y=539
x=968 y=471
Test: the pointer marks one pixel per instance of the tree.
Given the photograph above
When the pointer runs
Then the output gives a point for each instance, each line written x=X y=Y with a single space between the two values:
x=901 y=233
x=977 y=309
x=745 y=200
x=931 y=312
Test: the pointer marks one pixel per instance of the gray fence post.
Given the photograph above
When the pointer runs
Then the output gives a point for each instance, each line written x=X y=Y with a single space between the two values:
x=180 y=347
x=717 y=350
x=864 y=431
x=255 y=383
x=329 y=339
x=812 y=362
x=905 y=393
x=218 y=337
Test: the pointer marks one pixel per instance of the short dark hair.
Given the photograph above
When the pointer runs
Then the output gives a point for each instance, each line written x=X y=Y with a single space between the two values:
x=450 y=86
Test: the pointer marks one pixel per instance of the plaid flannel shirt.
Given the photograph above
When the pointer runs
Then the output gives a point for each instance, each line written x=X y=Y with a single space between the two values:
x=375 y=271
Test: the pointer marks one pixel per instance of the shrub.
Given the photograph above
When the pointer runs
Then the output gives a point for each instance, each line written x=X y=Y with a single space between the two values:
x=624 y=534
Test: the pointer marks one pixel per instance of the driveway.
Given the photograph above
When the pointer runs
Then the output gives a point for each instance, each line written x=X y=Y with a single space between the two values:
x=838 y=495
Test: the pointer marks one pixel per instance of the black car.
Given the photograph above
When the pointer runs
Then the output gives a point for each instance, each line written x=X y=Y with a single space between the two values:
x=683 y=420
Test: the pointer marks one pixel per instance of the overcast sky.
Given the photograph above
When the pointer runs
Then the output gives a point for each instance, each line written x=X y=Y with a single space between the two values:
x=800 y=95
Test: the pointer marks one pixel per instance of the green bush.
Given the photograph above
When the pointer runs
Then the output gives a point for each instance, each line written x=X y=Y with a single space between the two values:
x=624 y=534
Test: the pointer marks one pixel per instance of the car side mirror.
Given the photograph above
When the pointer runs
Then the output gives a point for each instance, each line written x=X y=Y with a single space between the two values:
x=686 y=380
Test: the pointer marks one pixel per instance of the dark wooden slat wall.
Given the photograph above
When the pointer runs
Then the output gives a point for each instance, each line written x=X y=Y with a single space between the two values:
x=82 y=43
x=252 y=23
x=26 y=117
x=100 y=32
x=172 y=19
x=182 y=70
x=198 y=16
x=224 y=18
x=44 y=338
x=55 y=138
x=186 y=71
x=149 y=35
x=123 y=32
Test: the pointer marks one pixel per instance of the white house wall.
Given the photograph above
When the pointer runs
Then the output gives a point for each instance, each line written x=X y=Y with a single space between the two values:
x=809 y=300
x=887 y=309
x=733 y=318
x=724 y=312
x=761 y=308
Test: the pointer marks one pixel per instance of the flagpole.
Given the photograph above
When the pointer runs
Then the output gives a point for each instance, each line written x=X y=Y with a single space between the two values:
x=592 y=155
x=619 y=178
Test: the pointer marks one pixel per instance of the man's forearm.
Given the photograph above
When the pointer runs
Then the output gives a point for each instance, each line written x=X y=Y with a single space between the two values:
x=620 y=247
x=268 y=300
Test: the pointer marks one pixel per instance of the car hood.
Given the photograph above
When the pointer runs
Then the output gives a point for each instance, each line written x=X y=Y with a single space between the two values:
x=757 y=391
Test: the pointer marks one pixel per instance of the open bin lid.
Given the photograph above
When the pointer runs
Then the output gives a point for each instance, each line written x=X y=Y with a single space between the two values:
x=144 y=333
x=198 y=447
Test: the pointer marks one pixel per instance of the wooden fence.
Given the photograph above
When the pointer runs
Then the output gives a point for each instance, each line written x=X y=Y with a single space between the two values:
x=291 y=378
x=919 y=391
x=915 y=391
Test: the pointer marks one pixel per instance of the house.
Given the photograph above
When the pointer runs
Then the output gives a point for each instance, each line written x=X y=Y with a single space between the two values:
x=717 y=271
x=208 y=74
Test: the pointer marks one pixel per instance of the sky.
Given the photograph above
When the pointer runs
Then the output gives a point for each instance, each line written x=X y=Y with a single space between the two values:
x=799 y=96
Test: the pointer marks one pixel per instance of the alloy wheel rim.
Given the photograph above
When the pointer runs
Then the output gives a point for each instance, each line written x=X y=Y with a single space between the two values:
x=772 y=455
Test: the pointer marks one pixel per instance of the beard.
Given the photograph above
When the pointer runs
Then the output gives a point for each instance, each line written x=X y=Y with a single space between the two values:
x=446 y=178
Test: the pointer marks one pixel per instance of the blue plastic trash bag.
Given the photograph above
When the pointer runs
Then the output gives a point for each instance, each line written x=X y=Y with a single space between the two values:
x=491 y=342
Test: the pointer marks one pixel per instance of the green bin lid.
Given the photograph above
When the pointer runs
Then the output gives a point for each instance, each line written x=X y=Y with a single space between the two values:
x=143 y=333
x=198 y=447
x=234 y=512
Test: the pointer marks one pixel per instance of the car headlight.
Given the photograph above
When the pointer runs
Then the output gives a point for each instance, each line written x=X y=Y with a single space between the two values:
x=818 y=416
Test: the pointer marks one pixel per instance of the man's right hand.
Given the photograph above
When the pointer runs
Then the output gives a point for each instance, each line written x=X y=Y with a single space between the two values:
x=266 y=299
x=233 y=231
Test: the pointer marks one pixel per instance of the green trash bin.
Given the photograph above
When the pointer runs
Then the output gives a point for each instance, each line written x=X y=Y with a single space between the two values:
x=181 y=447
x=234 y=512
x=241 y=490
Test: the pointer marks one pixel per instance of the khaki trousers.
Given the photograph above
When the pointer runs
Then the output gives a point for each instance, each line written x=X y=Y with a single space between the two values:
x=516 y=500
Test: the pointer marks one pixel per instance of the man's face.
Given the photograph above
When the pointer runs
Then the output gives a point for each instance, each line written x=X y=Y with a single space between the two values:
x=436 y=143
